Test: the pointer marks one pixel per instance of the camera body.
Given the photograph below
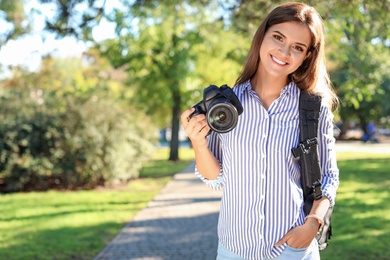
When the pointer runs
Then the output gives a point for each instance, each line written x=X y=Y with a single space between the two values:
x=221 y=107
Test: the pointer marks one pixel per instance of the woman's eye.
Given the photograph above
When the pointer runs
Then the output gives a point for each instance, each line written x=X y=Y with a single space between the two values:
x=298 y=48
x=278 y=37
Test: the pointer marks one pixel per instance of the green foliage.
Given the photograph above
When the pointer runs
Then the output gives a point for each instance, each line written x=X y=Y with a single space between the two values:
x=14 y=21
x=69 y=143
x=157 y=55
x=75 y=18
x=172 y=50
x=67 y=126
x=360 y=54
x=246 y=16
x=218 y=60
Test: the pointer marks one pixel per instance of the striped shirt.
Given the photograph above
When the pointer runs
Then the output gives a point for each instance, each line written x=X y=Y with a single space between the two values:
x=262 y=195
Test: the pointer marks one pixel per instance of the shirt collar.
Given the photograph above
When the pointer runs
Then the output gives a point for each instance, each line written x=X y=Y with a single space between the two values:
x=291 y=88
x=245 y=86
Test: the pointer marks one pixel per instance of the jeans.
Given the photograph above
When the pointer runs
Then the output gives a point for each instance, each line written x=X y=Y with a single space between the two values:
x=310 y=253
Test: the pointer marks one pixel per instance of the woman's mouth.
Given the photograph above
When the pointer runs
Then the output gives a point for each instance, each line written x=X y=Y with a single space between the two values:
x=278 y=61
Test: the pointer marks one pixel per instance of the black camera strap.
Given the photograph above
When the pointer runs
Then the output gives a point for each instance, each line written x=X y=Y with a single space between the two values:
x=307 y=152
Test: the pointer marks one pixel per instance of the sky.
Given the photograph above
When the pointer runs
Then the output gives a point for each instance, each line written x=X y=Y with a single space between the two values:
x=28 y=50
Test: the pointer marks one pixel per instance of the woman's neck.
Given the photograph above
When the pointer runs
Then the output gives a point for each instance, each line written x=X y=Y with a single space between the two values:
x=267 y=87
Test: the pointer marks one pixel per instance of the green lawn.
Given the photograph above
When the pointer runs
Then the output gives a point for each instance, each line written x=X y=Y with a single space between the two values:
x=361 y=218
x=77 y=225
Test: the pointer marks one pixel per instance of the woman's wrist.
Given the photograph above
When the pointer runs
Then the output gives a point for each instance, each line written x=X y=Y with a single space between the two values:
x=315 y=220
x=200 y=145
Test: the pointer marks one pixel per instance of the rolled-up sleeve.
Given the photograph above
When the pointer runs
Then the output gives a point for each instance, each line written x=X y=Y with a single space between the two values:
x=215 y=148
x=327 y=153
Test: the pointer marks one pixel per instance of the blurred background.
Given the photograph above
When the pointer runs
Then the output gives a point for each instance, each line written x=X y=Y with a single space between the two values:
x=90 y=88
x=78 y=77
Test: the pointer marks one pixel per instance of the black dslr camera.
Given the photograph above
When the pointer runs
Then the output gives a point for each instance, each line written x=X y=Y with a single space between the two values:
x=221 y=107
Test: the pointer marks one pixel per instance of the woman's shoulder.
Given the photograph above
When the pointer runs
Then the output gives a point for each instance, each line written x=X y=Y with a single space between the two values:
x=240 y=88
x=243 y=85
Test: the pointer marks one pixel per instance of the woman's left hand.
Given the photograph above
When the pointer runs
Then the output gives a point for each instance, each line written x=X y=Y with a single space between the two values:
x=301 y=236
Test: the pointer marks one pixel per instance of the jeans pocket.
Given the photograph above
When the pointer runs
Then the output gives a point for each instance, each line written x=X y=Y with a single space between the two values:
x=308 y=253
x=296 y=250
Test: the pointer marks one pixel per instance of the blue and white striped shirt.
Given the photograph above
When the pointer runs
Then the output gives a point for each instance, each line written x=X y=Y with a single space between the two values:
x=262 y=196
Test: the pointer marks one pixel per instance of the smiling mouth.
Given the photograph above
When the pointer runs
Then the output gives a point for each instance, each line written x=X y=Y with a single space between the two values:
x=278 y=61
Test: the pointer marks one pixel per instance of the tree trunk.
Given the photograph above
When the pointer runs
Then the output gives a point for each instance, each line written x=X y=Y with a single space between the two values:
x=363 y=123
x=174 y=145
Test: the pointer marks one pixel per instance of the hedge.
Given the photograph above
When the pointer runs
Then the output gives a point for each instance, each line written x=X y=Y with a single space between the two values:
x=70 y=142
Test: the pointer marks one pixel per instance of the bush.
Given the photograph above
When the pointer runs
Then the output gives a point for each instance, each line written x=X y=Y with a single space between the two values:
x=69 y=143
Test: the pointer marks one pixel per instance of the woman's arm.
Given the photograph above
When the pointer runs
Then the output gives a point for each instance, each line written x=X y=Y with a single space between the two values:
x=327 y=155
x=302 y=236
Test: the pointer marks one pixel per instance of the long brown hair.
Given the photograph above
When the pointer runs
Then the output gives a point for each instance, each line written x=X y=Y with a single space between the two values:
x=312 y=74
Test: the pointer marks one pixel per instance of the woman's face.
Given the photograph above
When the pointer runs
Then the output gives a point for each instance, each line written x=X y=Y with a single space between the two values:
x=284 y=48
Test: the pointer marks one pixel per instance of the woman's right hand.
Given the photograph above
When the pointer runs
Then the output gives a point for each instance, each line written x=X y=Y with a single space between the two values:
x=196 y=128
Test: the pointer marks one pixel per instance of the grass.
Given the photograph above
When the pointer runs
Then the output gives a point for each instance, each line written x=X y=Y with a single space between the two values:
x=77 y=225
x=159 y=166
x=361 y=218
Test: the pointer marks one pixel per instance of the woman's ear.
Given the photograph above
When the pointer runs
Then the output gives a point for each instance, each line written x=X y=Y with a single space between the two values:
x=308 y=54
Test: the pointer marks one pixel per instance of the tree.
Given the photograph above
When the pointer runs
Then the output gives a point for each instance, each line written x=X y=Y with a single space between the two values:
x=161 y=46
x=14 y=20
x=359 y=54
x=74 y=17
x=156 y=55
x=172 y=49
x=246 y=16
x=157 y=39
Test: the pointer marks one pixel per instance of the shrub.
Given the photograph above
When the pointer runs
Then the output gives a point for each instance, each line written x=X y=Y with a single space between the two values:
x=70 y=142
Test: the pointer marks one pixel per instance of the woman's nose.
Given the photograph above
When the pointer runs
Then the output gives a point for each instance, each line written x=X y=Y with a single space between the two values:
x=285 y=50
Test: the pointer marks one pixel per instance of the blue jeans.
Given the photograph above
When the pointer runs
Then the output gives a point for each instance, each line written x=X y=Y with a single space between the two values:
x=310 y=253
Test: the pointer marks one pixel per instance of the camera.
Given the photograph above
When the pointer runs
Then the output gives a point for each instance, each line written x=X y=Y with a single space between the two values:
x=221 y=107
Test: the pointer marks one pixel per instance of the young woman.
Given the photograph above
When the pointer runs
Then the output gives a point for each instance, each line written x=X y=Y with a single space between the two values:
x=262 y=213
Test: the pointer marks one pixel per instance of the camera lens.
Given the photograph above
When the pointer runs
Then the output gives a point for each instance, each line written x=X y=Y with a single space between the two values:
x=222 y=117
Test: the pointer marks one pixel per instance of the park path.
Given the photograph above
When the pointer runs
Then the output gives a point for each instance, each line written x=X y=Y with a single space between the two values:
x=181 y=222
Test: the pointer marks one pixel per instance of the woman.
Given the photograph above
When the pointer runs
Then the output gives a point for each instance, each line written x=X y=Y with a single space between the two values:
x=262 y=213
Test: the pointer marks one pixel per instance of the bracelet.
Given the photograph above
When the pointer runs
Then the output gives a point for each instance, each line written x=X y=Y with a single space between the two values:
x=320 y=221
